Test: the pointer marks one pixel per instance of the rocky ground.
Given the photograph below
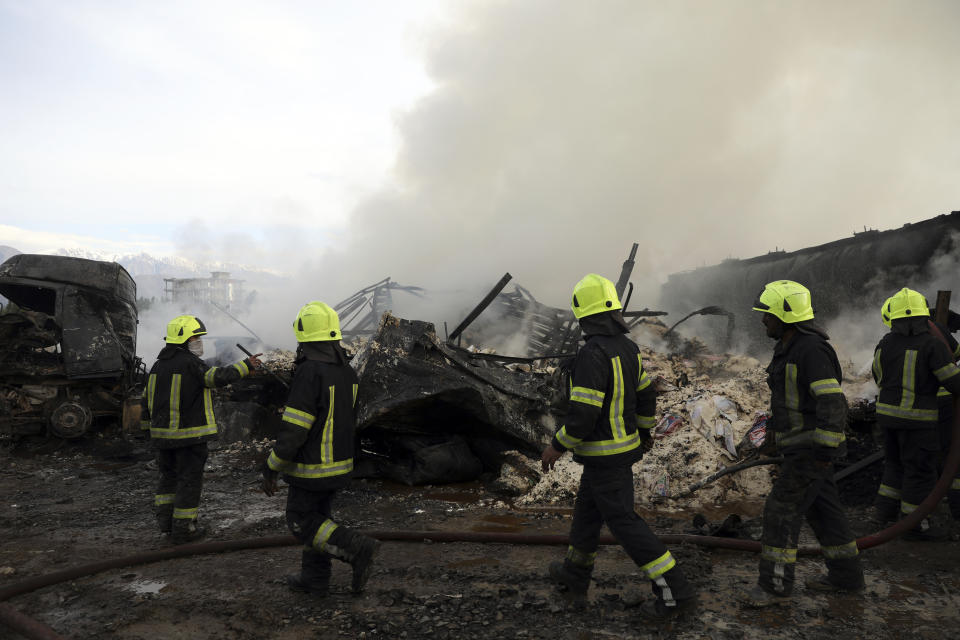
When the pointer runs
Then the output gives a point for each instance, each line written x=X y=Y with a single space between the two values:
x=71 y=504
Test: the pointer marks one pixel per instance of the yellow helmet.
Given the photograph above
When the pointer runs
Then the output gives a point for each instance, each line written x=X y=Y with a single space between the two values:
x=594 y=294
x=907 y=303
x=885 y=312
x=787 y=300
x=316 y=322
x=182 y=328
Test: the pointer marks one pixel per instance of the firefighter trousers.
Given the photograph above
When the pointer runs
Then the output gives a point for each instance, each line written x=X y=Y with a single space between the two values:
x=805 y=488
x=605 y=496
x=309 y=520
x=180 y=486
x=909 y=469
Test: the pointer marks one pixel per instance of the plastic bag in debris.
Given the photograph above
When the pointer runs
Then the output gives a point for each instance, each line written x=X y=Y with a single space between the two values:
x=712 y=417
x=667 y=425
x=757 y=434
x=661 y=488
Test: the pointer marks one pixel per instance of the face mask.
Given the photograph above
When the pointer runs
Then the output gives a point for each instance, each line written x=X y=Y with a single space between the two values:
x=196 y=347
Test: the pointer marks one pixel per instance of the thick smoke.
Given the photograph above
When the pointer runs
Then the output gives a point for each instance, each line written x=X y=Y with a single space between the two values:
x=559 y=133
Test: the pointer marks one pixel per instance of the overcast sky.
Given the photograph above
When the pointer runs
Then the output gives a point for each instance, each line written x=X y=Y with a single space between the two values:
x=358 y=140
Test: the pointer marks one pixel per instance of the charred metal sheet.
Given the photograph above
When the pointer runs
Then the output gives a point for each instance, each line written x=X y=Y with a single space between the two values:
x=411 y=382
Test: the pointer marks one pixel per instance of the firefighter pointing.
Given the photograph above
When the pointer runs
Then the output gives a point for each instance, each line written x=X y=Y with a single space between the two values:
x=609 y=420
x=177 y=408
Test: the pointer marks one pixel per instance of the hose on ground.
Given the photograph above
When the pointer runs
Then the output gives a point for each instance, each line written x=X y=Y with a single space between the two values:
x=34 y=630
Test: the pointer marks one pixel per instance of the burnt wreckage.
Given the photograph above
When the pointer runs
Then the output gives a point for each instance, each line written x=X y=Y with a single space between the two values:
x=68 y=335
x=849 y=274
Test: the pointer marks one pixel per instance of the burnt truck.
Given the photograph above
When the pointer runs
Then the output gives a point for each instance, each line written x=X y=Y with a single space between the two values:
x=68 y=336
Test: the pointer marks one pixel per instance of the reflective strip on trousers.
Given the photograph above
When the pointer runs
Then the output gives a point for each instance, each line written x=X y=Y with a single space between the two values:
x=163 y=498
x=185 y=514
x=656 y=568
x=848 y=550
x=779 y=555
x=888 y=492
x=955 y=485
x=323 y=535
x=580 y=558
x=906 y=507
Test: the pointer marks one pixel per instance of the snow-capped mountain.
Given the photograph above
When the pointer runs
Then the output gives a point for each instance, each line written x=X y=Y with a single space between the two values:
x=149 y=271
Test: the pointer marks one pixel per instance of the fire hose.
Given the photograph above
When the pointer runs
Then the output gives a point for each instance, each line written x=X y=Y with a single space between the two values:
x=35 y=630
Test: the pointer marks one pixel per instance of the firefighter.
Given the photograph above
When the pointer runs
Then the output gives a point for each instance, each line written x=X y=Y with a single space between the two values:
x=910 y=364
x=945 y=417
x=608 y=425
x=808 y=415
x=314 y=452
x=177 y=408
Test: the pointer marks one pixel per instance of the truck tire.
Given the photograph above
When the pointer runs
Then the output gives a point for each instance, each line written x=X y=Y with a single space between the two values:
x=70 y=420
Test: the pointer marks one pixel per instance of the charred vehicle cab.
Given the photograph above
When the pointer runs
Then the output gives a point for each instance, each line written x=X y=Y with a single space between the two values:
x=68 y=335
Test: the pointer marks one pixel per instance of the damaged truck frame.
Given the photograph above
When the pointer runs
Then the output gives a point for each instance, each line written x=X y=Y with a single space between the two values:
x=68 y=335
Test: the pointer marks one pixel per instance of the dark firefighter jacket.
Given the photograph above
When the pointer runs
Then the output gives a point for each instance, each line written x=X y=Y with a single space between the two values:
x=809 y=408
x=612 y=403
x=315 y=441
x=944 y=397
x=909 y=365
x=177 y=406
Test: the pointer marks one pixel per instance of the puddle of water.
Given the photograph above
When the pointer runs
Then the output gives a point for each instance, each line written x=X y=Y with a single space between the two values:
x=145 y=587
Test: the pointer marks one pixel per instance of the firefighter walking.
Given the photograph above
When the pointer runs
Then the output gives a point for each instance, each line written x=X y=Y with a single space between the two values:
x=910 y=365
x=314 y=452
x=808 y=416
x=177 y=408
x=609 y=420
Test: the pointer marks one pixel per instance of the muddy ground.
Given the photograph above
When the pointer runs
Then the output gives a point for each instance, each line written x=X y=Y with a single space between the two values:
x=76 y=503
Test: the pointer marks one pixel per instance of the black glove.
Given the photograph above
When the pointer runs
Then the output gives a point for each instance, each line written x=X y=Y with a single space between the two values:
x=646 y=444
x=269 y=483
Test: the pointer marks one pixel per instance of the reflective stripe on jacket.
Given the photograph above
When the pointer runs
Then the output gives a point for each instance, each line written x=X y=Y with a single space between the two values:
x=314 y=447
x=912 y=369
x=612 y=403
x=177 y=405
x=809 y=410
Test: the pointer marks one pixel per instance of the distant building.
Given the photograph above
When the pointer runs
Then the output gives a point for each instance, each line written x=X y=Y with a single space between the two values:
x=219 y=289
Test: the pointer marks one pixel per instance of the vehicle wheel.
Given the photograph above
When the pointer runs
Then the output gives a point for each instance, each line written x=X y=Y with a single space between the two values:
x=70 y=420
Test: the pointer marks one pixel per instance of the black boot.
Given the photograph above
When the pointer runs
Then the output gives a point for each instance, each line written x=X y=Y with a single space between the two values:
x=165 y=518
x=296 y=583
x=575 y=578
x=357 y=549
x=185 y=531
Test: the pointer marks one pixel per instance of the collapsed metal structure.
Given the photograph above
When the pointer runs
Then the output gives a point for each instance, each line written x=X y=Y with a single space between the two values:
x=852 y=273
